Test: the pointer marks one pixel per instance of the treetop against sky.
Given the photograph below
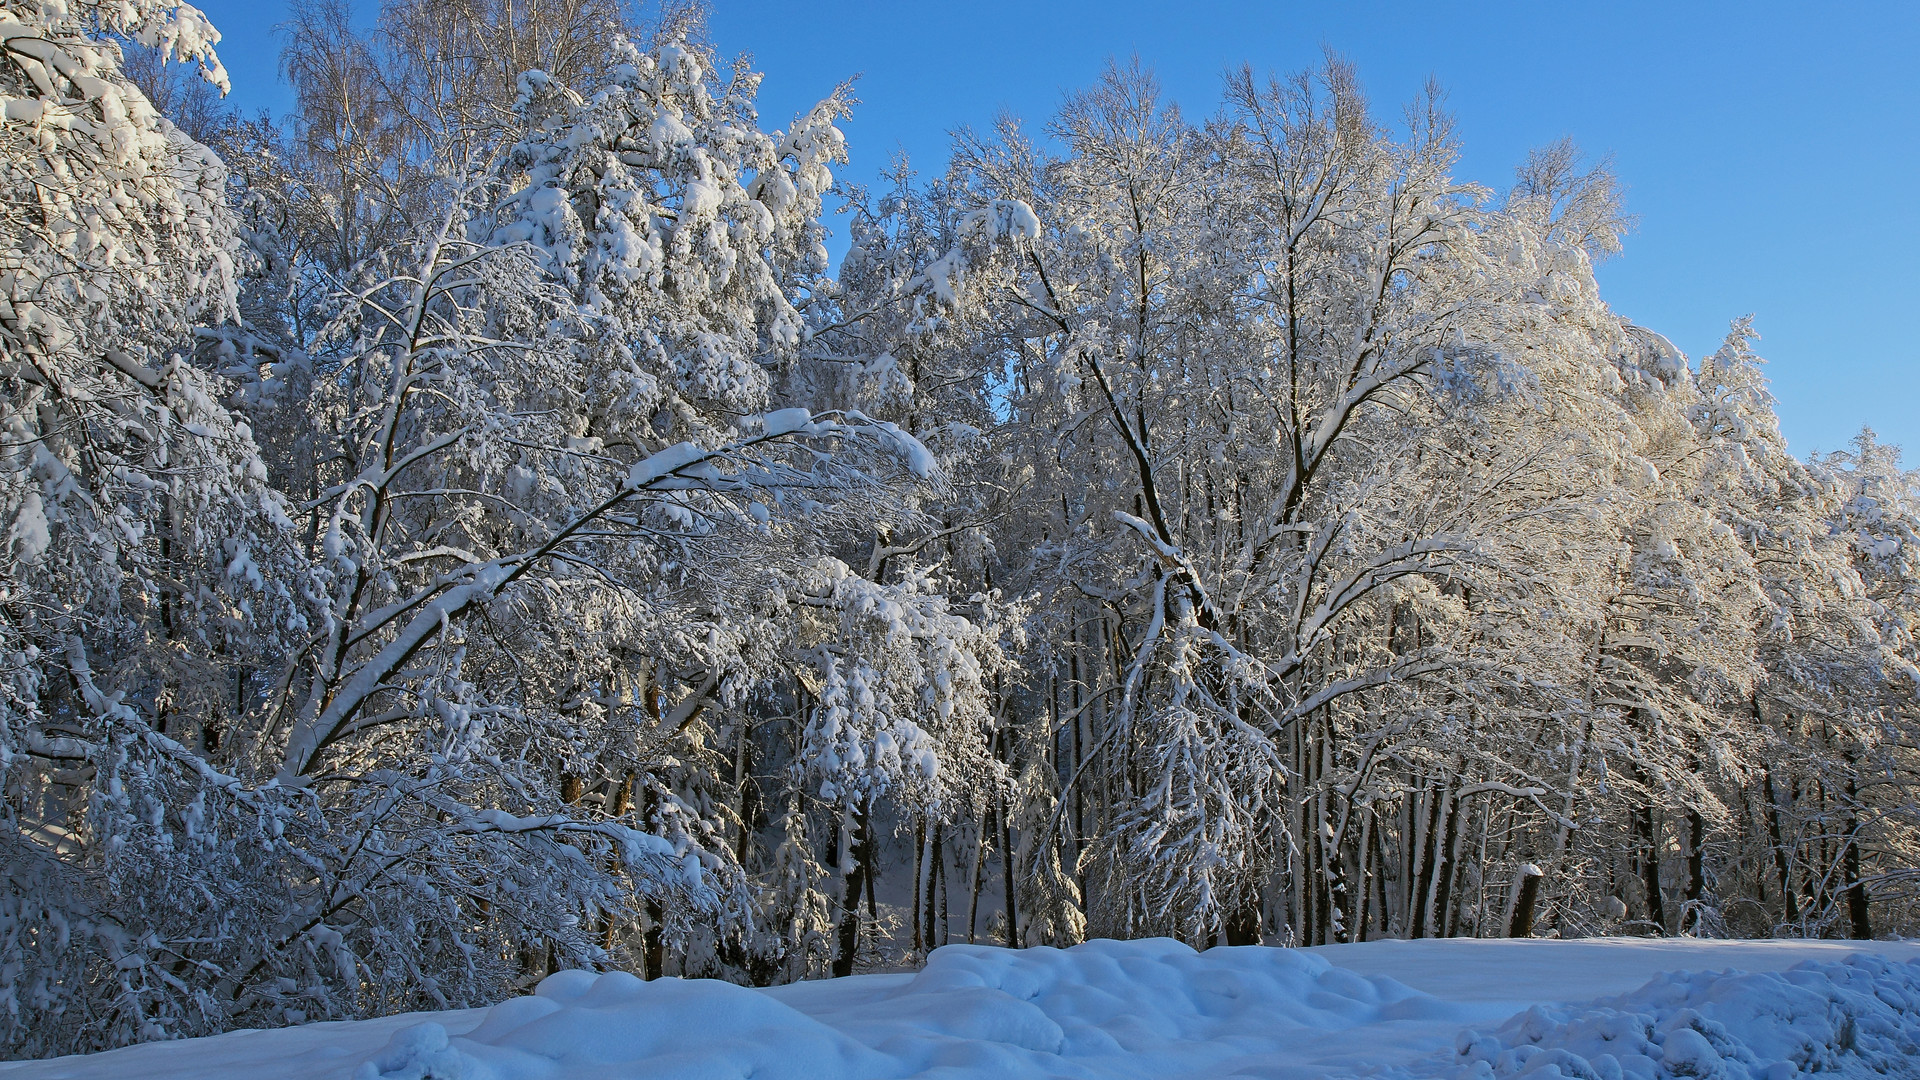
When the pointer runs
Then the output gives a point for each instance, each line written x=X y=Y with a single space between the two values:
x=1765 y=147
x=1768 y=148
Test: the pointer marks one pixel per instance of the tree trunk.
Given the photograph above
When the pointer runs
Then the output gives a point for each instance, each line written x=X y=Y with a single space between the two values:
x=1006 y=873
x=936 y=889
x=1433 y=857
x=620 y=803
x=973 y=879
x=1521 y=925
x=1326 y=877
x=1696 y=870
x=1385 y=916
x=1780 y=862
x=1363 y=871
x=1858 y=913
x=1821 y=899
x=1649 y=851
x=744 y=785
x=1414 y=885
x=870 y=858
x=1449 y=854
x=1297 y=867
x=849 y=925
x=849 y=930
x=921 y=892
x=653 y=942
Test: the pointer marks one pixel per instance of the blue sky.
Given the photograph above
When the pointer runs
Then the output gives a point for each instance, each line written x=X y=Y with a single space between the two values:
x=1770 y=150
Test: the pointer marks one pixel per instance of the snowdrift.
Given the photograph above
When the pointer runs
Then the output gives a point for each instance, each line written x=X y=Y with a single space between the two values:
x=1106 y=1008
x=1111 y=1010
x=1860 y=1017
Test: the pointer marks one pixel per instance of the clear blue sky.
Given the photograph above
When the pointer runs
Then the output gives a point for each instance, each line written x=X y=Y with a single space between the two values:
x=1771 y=150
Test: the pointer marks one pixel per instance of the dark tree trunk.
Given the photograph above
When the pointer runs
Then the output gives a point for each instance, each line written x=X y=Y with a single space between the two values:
x=1440 y=866
x=973 y=879
x=1363 y=869
x=922 y=893
x=1427 y=855
x=1443 y=900
x=749 y=794
x=870 y=859
x=1824 y=856
x=653 y=947
x=1376 y=879
x=849 y=930
x=1521 y=924
x=937 y=894
x=1648 y=850
x=1006 y=874
x=1780 y=863
x=1857 y=911
x=1696 y=869
x=655 y=942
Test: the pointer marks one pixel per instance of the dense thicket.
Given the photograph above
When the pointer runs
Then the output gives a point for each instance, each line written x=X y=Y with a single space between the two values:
x=465 y=530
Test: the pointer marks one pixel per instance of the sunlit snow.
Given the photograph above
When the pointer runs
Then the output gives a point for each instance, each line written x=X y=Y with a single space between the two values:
x=1116 y=1010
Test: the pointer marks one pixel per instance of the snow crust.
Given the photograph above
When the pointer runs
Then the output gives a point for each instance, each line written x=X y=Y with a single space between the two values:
x=1858 y=1017
x=1111 y=1010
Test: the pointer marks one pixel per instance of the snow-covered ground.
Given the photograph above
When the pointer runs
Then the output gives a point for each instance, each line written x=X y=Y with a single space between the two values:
x=1147 y=1009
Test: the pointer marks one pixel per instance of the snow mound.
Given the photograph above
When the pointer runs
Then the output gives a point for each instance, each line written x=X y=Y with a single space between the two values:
x=1105 y=1008
x=1110 y=1007
x=1856 y=1017
x=581 y=1025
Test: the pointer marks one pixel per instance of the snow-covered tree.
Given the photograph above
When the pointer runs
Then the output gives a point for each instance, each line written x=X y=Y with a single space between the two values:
x=469 y=531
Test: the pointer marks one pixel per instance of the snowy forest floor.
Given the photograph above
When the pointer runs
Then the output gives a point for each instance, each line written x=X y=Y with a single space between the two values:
x=1605 y=1008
